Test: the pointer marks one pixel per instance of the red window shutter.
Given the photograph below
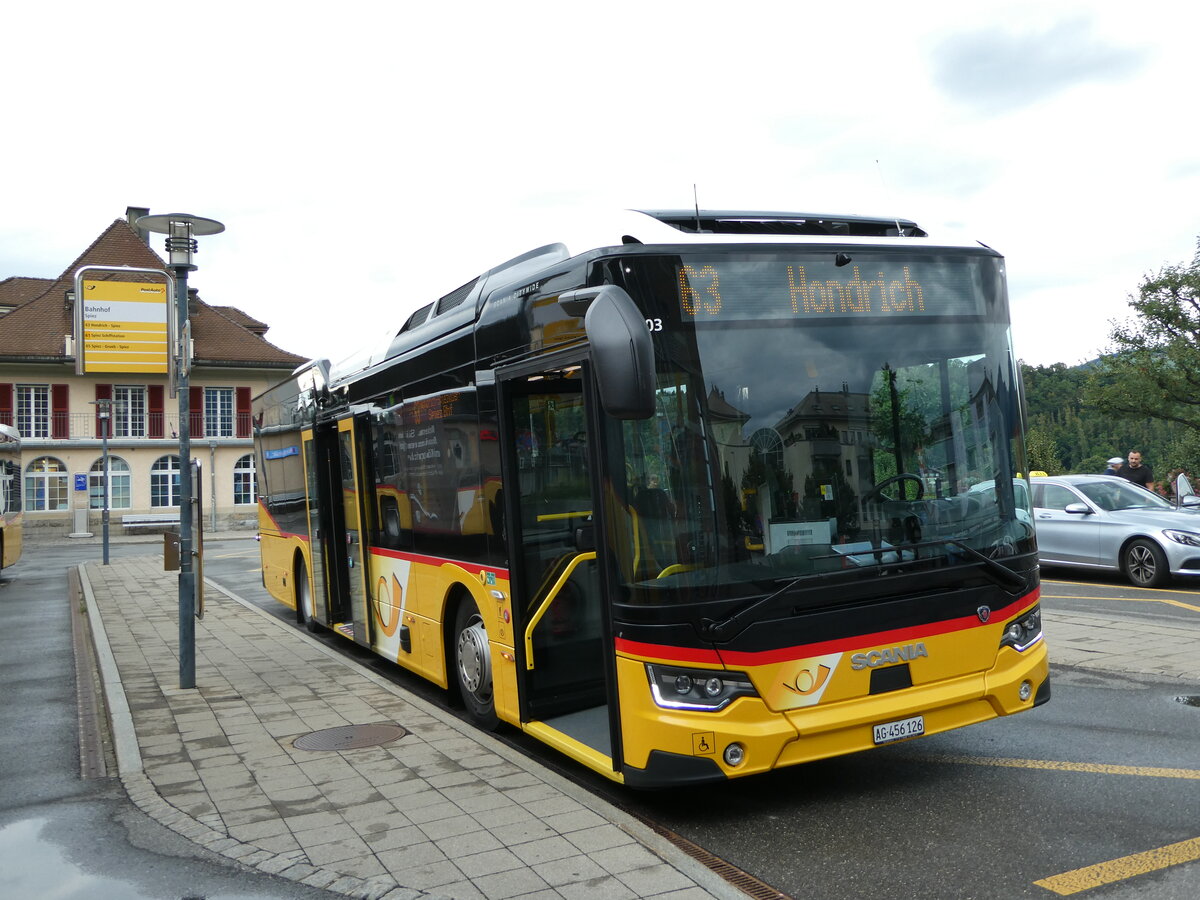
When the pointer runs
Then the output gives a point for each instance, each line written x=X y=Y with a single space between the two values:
x=243 y=412
x=60 y=420
x=196 y=408
x=103 y=392
x=154 y=410
x=6 y=404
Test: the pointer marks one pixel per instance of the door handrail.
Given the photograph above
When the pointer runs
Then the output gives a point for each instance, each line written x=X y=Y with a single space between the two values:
x=545 y=604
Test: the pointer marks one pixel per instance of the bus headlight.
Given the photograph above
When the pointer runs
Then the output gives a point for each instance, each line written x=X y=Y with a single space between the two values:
x=677 y=688
x=1023 y=633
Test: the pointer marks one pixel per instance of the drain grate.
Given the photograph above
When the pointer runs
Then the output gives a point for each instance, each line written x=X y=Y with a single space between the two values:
x=349 y=737
x=746 y=882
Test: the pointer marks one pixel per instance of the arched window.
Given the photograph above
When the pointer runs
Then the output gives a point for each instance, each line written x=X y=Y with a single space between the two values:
x=164 y=481
x=245 y=487
x=118 y=484
x=46 y=487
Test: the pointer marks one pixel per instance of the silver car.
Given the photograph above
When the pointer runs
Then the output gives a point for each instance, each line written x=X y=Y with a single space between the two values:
x=1106 y=522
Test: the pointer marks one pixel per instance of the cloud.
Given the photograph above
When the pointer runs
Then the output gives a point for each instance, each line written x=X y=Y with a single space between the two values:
x=996 y=71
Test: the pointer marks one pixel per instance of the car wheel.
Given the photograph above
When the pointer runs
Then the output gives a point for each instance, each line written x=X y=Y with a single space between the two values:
x=473 y=666
x=1145 y=564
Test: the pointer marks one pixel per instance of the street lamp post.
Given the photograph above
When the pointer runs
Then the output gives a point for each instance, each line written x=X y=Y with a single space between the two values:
x=181 y=229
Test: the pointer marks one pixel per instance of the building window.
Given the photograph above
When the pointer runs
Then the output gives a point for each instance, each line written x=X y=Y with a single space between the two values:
x=118 y=484
x=129 y=411
x=218 y=412
x=164 y=481
x=46 y=485
x=245 y=490
x=33 y=410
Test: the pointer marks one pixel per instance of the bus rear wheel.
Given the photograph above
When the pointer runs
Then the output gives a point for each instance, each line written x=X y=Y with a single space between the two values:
x=473 y=665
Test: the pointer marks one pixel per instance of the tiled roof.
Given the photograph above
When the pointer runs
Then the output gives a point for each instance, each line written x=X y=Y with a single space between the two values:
x=17 y=290
x=35 y=329
x=248 y=322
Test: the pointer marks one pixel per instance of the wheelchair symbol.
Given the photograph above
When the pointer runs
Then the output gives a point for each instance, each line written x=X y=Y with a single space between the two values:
x=704 y=743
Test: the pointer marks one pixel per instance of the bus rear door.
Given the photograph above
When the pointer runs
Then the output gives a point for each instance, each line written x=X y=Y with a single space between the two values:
x=340 y=520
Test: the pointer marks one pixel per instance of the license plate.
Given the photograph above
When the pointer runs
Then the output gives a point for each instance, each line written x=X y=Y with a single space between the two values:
x=898 y=731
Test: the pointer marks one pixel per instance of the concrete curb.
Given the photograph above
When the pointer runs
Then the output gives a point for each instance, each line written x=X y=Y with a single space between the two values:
x=125 y=744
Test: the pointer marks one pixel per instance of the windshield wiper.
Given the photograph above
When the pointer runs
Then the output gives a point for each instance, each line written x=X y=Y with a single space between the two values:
x=710 y=629
x=1002 y=572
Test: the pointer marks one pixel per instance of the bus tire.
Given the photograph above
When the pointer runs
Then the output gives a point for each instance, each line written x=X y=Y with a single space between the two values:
x=473 y=665
x=305 y=607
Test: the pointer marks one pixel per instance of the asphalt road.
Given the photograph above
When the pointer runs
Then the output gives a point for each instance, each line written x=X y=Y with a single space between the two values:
x=1109 y=768
x=1174 y=604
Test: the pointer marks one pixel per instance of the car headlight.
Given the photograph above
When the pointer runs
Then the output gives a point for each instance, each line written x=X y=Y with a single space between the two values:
x=1023 y=633
x=677 y=688
x=1184 y=537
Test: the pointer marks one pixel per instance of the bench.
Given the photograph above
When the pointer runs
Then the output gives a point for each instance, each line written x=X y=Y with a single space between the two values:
x=153 y=520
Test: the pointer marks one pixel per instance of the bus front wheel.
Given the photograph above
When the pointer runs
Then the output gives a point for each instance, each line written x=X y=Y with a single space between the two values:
x=473 y=665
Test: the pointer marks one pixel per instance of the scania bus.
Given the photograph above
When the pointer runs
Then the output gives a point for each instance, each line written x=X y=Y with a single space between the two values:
x=10 y=496
x=688 y=501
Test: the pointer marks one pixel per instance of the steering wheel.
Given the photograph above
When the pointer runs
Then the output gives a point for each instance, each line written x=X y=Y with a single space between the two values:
x=876 y=495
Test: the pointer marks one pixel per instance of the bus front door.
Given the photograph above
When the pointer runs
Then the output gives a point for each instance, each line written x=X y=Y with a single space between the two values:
x=557 y=594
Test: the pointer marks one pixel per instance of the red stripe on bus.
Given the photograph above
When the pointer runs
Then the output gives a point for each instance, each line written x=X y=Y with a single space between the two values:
x=698 y=655
x=841 y=645
x=438 y=561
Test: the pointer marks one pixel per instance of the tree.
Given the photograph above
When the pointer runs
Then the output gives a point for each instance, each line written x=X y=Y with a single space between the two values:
x=1154 y=369
x=1041 y=451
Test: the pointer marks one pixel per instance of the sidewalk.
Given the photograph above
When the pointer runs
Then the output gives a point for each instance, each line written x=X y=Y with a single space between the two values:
x=443 y=811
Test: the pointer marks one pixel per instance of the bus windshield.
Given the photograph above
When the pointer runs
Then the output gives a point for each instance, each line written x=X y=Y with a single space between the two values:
x=817 y=417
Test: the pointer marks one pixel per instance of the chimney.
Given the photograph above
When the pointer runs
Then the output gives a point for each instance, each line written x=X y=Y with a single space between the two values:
x=132 y=214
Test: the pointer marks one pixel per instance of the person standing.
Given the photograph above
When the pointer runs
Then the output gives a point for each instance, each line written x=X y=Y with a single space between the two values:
x=1134 y=471
x=1114 y=465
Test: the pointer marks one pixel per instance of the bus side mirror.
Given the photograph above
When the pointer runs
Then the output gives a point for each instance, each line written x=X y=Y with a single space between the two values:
x=622 y=353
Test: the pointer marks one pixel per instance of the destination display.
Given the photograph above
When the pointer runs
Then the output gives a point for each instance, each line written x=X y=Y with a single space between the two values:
x=834 y=285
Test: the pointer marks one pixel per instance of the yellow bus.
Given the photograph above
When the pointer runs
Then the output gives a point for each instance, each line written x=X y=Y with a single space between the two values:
x=688 y=501
x=10 y=496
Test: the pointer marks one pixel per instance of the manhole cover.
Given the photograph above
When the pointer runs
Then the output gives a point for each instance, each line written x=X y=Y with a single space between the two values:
x=349 y=737
x=1189 y=699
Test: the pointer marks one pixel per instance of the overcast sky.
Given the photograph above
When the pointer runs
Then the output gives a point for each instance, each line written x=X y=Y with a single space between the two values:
x=366 y=158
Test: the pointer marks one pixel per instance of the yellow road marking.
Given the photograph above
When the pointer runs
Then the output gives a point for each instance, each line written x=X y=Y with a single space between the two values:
x=1178 y=603
x=1054 y=765
x=1119 y=869
x=1114 y=870
x=1124 y=587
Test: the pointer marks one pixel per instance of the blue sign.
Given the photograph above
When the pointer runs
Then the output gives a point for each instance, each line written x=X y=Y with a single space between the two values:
x=81 y=482
x=281 y=454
